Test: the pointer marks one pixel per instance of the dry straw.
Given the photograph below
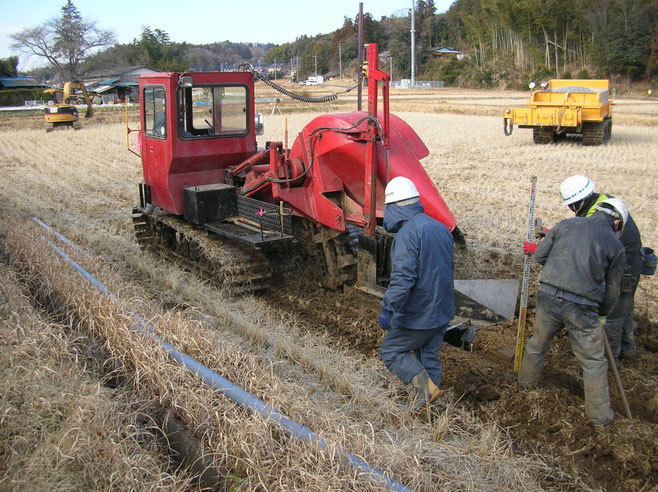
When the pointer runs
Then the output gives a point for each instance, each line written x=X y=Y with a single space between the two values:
x=60 y=428
x=465 y=454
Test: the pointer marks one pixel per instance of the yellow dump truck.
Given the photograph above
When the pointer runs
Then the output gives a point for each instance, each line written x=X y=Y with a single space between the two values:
x=561 y=107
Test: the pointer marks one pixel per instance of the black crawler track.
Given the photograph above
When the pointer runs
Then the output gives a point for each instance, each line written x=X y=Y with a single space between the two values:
x=597 y=133
x=223 y=262
x=543 y=136
x=242 y=268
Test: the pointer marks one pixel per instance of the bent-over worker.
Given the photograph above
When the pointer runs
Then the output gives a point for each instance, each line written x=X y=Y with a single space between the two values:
x=578 y=194
x=583 y=263
x=419 y=302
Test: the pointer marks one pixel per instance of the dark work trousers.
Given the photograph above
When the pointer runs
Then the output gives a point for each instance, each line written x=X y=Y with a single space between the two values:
x=397 y=347
x=582 y=324
x=620 y=325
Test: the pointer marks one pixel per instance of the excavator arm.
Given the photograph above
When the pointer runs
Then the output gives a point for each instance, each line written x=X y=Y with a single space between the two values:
x=69 y=87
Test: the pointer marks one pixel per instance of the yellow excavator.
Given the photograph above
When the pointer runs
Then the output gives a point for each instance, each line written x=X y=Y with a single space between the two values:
x=62 y=111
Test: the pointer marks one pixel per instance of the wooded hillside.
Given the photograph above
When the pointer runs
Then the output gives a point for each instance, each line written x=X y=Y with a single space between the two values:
x=607 y=37
x=507 y=43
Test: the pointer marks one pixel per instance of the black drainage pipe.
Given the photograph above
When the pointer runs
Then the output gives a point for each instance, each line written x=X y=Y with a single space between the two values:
x=230 y=390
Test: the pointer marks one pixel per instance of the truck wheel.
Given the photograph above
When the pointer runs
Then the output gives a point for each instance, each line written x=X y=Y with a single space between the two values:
x=594 y=133
x=543 y=136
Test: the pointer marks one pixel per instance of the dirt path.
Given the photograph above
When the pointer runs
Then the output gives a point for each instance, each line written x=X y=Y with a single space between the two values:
x=549 y=421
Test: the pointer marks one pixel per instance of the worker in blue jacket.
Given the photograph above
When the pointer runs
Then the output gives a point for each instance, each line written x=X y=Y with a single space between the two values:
x=419 y=302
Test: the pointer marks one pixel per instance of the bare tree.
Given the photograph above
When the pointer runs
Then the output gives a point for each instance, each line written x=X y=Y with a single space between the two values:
x=64 y=41
x=626 y=7
x=598 y=16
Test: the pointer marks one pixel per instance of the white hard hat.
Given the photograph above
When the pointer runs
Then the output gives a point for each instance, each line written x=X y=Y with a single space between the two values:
x=399 y=189
x=616 y=208
x=576 y=188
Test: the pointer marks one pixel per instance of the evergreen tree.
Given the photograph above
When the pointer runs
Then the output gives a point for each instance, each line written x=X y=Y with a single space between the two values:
x=9 y=65
x=155 y=49
x=315 y=57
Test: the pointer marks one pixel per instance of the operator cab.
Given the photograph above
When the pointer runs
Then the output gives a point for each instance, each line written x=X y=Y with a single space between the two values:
x=194 y=126
x=211 y=110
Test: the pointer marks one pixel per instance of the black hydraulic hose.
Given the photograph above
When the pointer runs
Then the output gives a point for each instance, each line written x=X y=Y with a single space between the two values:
x=506 y=130
x=310 y=144
x=298 y=97
x=226 y=387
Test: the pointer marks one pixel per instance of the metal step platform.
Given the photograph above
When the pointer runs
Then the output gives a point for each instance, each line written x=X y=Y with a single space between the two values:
x=258 y=224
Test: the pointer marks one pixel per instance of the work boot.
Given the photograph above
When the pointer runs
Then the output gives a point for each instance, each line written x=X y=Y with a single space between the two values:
x=628 y=355
x=603 y=423
x=426 y=391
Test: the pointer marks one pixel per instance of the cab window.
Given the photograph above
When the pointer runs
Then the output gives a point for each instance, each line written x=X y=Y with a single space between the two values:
x=213 y=111
x=155 y=111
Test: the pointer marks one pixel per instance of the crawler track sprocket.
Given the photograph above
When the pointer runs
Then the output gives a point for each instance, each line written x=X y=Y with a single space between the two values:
x=332 y=252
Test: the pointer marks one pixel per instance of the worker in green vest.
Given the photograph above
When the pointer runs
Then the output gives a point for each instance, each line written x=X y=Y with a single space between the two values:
x=578 y=194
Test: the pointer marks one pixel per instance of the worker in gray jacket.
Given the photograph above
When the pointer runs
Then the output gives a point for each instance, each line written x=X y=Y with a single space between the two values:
x=419 y=302
x=583 y=263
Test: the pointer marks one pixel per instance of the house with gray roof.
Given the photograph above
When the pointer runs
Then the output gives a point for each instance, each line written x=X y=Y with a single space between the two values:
x=116 y=83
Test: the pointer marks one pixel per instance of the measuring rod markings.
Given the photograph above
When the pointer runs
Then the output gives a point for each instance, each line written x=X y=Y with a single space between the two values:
x=520 y=336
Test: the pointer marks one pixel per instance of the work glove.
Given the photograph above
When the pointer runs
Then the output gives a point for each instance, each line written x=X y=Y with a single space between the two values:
x=529 y=248
x=384 y=319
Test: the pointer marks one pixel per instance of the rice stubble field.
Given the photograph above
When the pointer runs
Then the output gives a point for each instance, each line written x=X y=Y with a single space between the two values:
x=310 y=352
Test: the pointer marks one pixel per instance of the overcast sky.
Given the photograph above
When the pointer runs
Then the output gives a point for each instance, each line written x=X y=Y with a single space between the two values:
x=257 y=21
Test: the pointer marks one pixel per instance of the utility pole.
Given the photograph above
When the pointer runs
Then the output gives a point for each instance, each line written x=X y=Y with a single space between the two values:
x=413 y=45
x=390 y=60
x=316 y=64
x=360 y=66
x=340 y=60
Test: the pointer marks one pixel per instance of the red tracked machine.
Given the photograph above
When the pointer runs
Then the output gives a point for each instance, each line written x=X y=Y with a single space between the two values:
x=206 y=182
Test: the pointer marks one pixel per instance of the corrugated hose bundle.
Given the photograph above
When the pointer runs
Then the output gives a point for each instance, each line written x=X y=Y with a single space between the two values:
x=298 y=97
